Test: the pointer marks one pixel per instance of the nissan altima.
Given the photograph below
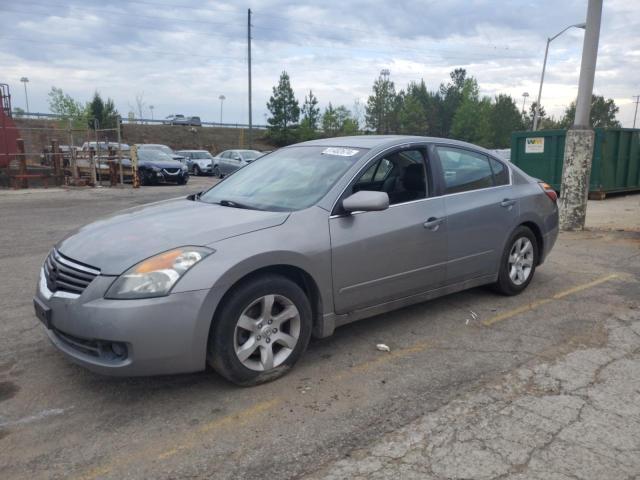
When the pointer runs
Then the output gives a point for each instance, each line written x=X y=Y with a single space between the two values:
x=295 y=244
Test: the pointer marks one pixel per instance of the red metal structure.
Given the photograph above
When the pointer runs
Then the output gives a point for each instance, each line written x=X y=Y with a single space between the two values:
x=8 y=131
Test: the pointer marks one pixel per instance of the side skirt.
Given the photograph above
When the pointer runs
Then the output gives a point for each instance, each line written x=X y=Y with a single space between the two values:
x=331 y=320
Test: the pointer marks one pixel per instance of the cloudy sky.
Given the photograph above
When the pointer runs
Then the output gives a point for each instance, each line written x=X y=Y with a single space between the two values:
x=179 y=56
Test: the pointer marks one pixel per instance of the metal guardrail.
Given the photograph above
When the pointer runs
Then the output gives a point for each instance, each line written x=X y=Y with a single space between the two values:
x=143 y=121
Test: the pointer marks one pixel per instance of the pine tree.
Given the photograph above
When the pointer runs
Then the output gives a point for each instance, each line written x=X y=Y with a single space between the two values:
x=383 y=106
x=310 y=118
x=285 y=112
x=310 y=111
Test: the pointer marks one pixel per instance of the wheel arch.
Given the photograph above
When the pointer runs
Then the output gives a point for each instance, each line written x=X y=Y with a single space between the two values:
x=537 y=232
x=296 y=274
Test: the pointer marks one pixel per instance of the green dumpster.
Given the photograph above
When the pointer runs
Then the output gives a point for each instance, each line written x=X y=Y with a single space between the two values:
x=616 y=158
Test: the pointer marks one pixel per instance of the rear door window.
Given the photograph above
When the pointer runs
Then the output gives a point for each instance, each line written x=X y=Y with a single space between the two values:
x=464 y=170
x=500 y=172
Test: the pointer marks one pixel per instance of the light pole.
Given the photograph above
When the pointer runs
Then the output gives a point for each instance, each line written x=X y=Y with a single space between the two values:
x=222 y=98
x=536 y=114
x=25 y=80
x=524 y=100
x=151 y=107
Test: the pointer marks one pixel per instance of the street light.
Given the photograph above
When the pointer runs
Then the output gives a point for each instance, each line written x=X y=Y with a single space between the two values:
x=222 y=98
x=536 y=114
x=525 y=95
x=151 y=107
x=25 y=80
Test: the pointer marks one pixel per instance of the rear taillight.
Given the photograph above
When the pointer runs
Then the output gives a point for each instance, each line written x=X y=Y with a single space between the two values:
x=548 y=189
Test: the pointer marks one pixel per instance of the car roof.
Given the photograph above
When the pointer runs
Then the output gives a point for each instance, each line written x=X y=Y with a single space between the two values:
x=386 y=141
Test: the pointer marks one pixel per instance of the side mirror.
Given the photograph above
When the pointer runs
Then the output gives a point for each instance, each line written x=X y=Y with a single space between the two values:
x=366 y=201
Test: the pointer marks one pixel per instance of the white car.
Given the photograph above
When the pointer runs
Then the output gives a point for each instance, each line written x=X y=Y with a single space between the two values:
x=199 y=162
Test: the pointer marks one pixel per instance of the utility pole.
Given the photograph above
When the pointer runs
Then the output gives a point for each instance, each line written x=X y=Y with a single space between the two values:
x=249 y=58
x=635 y=115
x=25 y=80
x=578 y=150
x=536 y=113
x=524 y=101
x=222 y=98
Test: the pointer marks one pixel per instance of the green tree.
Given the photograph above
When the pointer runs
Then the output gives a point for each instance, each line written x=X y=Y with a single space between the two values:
x=310 y=117
x=382 y=106
x=413 y=113
x=67 y=107
x=452 y=96
x=285 y=112
x=471 y=120
x=104 y=112
x=330 y=124
x=310 y=111
x=19 y=112
x=339 y=121
x=603 y=113
x=528 y=117
x=432 y=104
x=347 y=123
x=505 y=118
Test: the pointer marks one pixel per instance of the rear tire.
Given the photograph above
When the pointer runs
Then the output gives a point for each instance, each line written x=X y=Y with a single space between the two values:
x=518 y=262
x=216 y=172
x=260 y=331
x=196 y=170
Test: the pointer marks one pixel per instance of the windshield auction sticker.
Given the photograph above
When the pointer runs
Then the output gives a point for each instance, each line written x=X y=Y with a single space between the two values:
x=341 y=152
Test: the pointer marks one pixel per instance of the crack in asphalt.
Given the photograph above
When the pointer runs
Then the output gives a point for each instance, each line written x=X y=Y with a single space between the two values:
x=526 y=430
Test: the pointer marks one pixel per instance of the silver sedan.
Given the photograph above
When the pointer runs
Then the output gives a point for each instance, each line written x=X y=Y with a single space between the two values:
x=229 y=161
x=297 y=243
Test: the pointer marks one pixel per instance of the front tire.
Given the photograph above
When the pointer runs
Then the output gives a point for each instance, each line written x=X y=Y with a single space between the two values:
x=216 y=172
x=261 y=330
x=518 y=262
x=196 y=170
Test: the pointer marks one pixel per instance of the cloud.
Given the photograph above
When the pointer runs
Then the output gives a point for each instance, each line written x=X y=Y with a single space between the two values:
x=183 y=55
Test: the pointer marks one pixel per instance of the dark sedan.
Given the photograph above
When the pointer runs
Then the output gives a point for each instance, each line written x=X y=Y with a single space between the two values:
x=156 y=167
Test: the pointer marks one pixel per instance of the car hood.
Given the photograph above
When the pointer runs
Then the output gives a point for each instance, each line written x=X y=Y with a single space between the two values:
x=118 y=242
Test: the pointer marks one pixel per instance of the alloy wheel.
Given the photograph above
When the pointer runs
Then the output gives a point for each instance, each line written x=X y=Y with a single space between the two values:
x=521 y=260
x=267 y=332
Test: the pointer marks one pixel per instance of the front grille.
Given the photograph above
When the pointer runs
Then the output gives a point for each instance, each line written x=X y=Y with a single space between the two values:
x=171 y=171
x=64 y=274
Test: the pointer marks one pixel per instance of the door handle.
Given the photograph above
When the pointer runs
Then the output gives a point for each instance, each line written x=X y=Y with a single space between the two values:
x=433 y=223
x=507 y=202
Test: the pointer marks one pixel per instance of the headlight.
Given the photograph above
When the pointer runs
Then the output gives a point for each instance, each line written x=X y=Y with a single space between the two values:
x=156 y=276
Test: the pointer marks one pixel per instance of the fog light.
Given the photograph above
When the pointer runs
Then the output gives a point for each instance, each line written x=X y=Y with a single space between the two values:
x=119 y=350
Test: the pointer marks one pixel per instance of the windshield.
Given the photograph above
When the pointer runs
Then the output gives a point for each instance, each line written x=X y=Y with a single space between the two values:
x=290 y=179
x=158 y=148
x=200 y=155
x=250 y=154
x=152 y=155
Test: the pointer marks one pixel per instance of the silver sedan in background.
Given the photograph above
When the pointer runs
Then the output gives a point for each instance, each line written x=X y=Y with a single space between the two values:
x=231 y=160
x=297 y=243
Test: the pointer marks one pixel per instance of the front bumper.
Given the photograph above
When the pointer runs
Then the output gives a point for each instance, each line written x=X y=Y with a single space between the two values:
x=162 y=335
x=165 y=176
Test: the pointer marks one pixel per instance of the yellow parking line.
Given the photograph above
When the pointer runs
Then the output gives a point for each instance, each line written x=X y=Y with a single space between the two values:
x=194 y=437
x=531 y=306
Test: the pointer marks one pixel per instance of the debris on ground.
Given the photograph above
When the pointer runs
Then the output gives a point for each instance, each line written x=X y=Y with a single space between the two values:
x=383 y=348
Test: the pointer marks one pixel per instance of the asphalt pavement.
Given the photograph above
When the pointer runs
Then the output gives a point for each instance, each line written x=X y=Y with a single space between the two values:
x=475 y=385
